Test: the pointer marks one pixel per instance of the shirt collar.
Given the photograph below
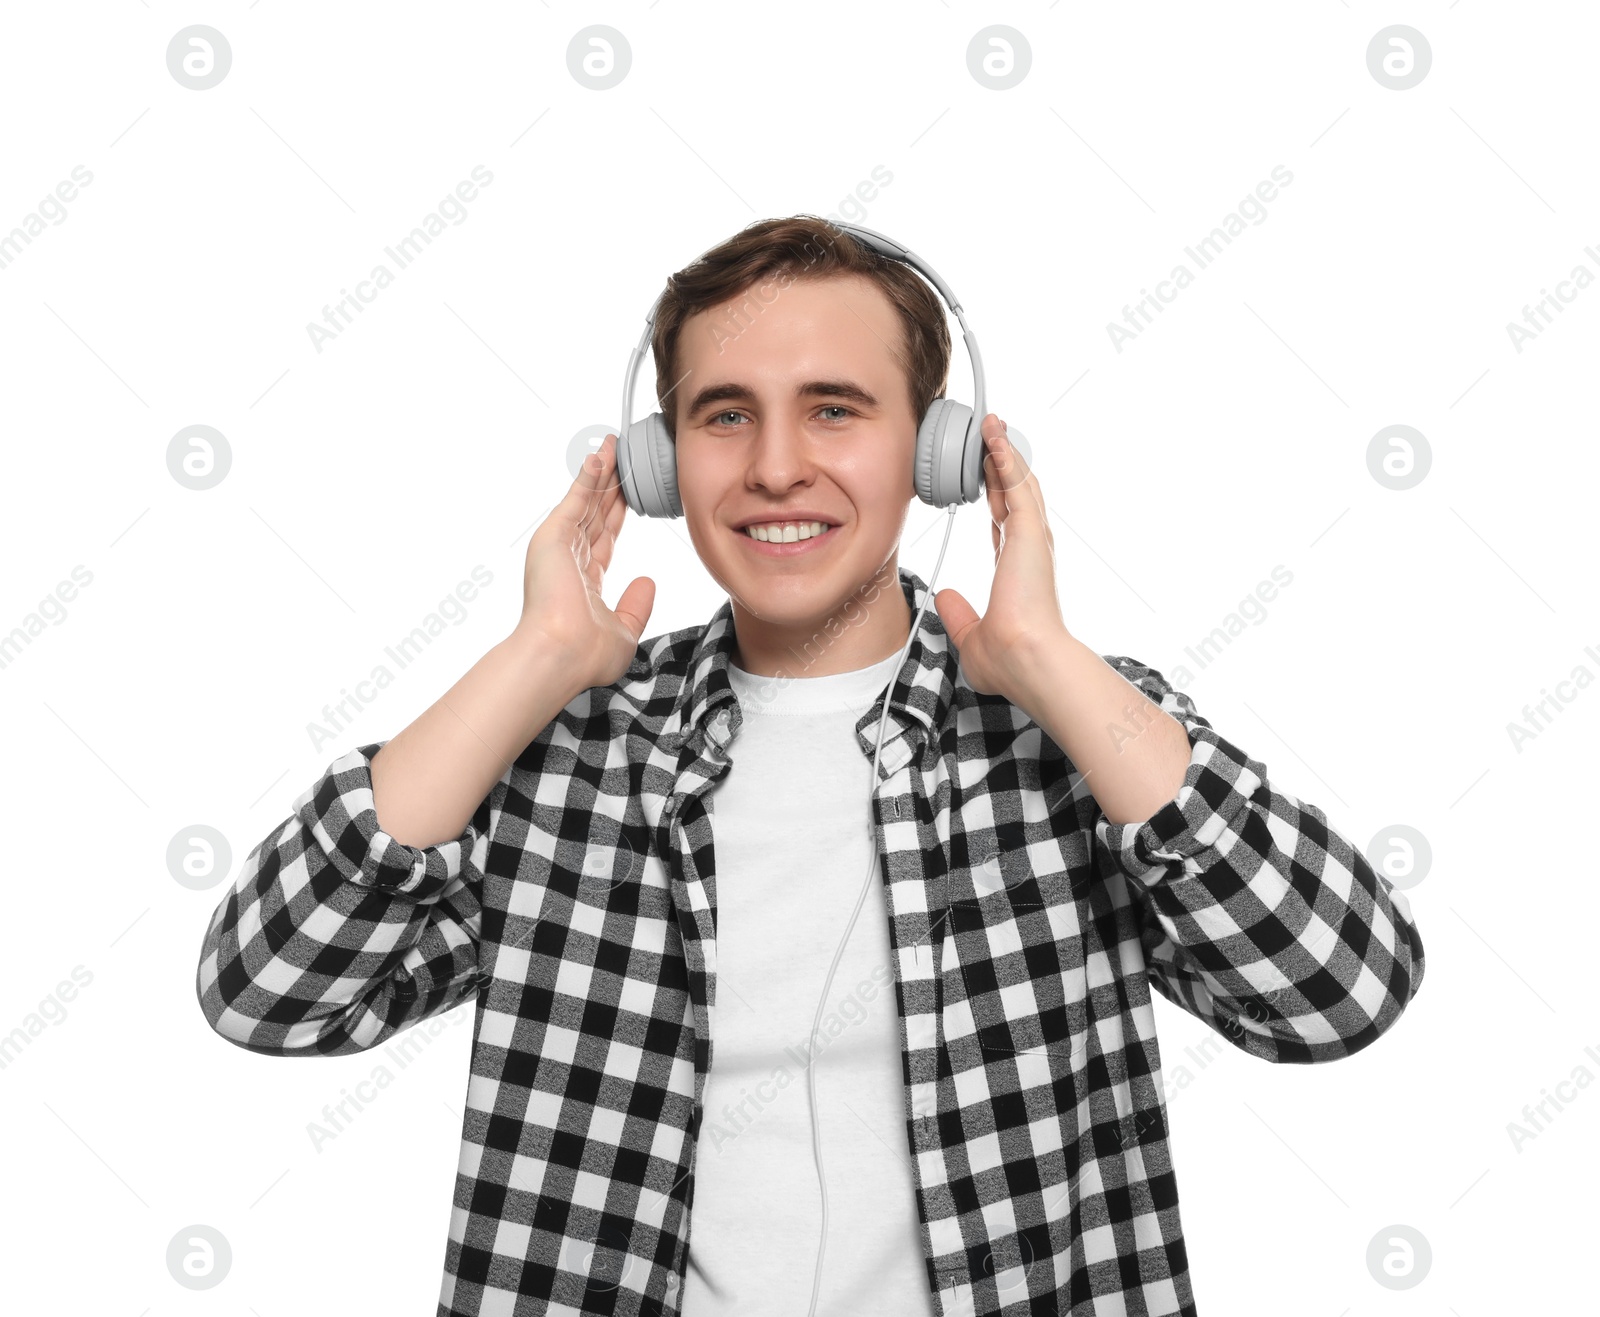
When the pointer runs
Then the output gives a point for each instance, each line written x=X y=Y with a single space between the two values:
x=919 y=699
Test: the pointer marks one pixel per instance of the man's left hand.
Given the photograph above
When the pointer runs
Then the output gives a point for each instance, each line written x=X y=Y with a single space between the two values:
x=999 y=651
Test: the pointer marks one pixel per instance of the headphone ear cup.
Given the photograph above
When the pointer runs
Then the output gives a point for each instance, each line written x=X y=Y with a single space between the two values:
x=949 y=460
x=664 y=462
x=647 y=469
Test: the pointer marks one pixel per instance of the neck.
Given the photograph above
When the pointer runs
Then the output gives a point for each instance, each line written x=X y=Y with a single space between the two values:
x=865 y=627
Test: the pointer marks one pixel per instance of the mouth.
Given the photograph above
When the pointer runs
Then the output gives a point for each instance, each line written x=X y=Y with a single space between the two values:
x=788 y=548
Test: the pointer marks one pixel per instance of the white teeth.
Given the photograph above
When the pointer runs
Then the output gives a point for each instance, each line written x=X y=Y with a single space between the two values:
x=786 y=532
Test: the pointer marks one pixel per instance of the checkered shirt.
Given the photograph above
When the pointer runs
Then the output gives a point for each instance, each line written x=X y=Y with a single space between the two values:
x=577 y=912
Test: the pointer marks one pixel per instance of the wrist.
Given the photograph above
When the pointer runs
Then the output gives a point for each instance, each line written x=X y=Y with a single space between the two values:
x=541 y=664
x=1040 y=661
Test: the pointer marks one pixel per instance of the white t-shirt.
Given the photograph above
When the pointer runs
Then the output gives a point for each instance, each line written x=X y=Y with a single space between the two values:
x=790 y=826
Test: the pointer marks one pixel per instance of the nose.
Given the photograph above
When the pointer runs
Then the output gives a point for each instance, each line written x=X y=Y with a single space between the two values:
x=779 y=453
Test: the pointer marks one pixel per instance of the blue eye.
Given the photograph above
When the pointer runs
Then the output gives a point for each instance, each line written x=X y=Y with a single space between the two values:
x=719 y=418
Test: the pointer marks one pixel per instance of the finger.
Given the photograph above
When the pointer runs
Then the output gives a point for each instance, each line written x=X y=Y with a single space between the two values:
x=1020 y=489
x=588 y=477
x=610 y=487
x=1009 y=471
x=993 y=485
x=993 y=474
x=606 y=537
x=1013 y=470
x=610 y=482
x=955 y=612
x=1029 y=479
x=590 y=484
x=614 y=501
x=1024 y=476
x=578 y=493
x=635 y=605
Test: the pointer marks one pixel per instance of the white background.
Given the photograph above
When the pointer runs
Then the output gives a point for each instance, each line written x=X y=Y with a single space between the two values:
x=368 y=479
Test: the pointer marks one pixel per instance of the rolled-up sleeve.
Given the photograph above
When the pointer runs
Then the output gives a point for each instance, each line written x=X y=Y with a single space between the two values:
x=335 y=936
x=1258 y=917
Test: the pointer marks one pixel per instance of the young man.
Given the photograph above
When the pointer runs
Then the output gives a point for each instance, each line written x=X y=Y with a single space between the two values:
x=639 y=859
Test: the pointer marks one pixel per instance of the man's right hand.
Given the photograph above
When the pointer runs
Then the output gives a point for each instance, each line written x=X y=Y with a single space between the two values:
x=567 y=558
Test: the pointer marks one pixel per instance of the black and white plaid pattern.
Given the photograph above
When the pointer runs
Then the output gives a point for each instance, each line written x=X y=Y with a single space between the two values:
x=578 y=910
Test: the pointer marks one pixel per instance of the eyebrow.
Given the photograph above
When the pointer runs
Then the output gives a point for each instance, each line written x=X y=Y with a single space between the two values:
x=742 y=393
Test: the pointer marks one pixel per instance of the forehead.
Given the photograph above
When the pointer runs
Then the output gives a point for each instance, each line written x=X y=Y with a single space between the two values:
x=770 y=330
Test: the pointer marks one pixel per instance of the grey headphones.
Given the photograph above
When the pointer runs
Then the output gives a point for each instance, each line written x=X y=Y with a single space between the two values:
x=949 y=458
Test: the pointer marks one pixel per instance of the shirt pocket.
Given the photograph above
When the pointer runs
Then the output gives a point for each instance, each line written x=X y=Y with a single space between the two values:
x=1012 y=957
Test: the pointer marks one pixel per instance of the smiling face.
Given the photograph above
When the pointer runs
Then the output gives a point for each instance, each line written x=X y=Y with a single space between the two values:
x=800 y=410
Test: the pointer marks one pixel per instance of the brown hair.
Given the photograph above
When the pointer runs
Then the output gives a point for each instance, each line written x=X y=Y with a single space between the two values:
x=800 y=247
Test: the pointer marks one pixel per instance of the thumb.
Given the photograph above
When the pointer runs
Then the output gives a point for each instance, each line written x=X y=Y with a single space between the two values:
x=635 y=605
x=955 y=612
